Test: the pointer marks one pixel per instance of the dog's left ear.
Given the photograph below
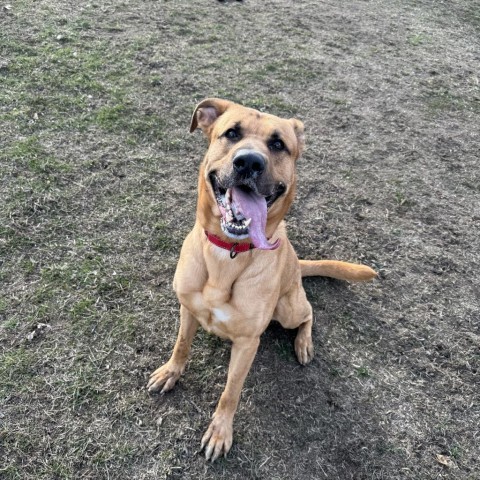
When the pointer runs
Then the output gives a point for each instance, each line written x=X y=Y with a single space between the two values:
x=300 y=133
x=207 y=112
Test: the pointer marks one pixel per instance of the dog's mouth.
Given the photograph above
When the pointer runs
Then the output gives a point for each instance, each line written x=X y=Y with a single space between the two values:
x=244 y=210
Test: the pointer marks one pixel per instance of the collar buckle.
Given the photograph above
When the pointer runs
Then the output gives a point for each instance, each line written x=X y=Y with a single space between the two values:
x=233 y=251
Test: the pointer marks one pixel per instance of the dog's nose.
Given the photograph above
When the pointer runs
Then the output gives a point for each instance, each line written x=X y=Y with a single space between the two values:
x=248 y=163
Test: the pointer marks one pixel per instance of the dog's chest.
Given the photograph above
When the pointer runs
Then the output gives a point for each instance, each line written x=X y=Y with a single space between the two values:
x=222 y=299
x=220 y=318
x=218 y=322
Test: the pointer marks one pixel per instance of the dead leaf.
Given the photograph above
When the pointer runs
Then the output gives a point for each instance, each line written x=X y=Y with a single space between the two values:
x=444 y=460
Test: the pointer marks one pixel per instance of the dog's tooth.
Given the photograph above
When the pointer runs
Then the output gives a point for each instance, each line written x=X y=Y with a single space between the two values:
x=247 y=222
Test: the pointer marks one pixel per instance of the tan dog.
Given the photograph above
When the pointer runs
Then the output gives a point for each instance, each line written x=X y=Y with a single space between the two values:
x=237 y=269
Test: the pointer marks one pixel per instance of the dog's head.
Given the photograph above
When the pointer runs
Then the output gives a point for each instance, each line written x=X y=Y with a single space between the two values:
x=247 y=179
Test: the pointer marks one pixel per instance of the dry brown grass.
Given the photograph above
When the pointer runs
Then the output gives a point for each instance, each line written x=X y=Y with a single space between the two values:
x=98 y=191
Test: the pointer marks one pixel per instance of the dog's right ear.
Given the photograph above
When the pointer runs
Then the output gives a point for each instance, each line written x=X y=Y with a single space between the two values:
x=207 y=112
x=300 y=133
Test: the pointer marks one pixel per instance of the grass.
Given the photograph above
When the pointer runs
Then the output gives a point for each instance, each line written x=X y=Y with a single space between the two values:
x=97 y=184
x=363 y=372
x=65 y=83
x=443 y=100
x=418 y=39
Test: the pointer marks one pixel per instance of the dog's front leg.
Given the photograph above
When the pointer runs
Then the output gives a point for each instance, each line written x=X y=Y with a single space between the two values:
x=168 y=374
x=218 y=438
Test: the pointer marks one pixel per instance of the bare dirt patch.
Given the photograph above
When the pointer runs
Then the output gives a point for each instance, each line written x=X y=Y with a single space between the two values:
x=98 y=178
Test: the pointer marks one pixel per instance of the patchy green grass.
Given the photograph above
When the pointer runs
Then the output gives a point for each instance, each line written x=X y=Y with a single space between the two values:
x=442 y=100
x=363 y=372
x=70 y=81
x=418 y=39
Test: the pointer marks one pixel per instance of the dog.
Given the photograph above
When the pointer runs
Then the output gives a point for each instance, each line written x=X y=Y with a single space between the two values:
x=237 y=269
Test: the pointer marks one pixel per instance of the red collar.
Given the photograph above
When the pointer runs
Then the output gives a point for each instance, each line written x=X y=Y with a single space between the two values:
x=234 y=248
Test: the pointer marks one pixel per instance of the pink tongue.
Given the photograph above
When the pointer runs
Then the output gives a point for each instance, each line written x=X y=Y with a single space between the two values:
x=255 y=207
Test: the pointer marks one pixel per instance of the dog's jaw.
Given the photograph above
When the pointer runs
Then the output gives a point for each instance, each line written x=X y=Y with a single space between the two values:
x=239 y=202
x=233 y=222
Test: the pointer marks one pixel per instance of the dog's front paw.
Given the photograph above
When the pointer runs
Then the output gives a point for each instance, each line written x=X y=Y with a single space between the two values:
x=167 y=375
x=218 y=438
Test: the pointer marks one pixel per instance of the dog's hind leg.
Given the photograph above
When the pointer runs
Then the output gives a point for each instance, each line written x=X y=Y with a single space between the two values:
x=303 y=340
x=294 y=310
x=168 y=374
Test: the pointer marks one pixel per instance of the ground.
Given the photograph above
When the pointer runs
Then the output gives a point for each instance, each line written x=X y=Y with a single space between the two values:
x=98 y=191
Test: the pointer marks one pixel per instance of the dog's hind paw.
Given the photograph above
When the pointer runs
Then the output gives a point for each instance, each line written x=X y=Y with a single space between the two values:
x=167 y=375
x=304 y=348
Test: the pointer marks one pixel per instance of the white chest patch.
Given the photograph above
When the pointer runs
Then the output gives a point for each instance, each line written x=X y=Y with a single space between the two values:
x=220 y=315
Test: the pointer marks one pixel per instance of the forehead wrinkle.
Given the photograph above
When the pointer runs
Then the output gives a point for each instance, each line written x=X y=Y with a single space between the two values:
x=275 y=135
x=258 y=124
x=266 y=129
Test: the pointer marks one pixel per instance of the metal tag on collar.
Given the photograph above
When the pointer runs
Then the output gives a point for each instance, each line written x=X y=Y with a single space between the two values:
x=233 y=253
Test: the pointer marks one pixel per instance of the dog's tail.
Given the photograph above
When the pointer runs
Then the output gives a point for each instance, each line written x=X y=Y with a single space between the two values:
x=335 y=269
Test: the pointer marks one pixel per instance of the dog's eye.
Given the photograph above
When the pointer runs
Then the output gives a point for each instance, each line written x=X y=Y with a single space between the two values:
x=276 y=145
x=232 y=134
